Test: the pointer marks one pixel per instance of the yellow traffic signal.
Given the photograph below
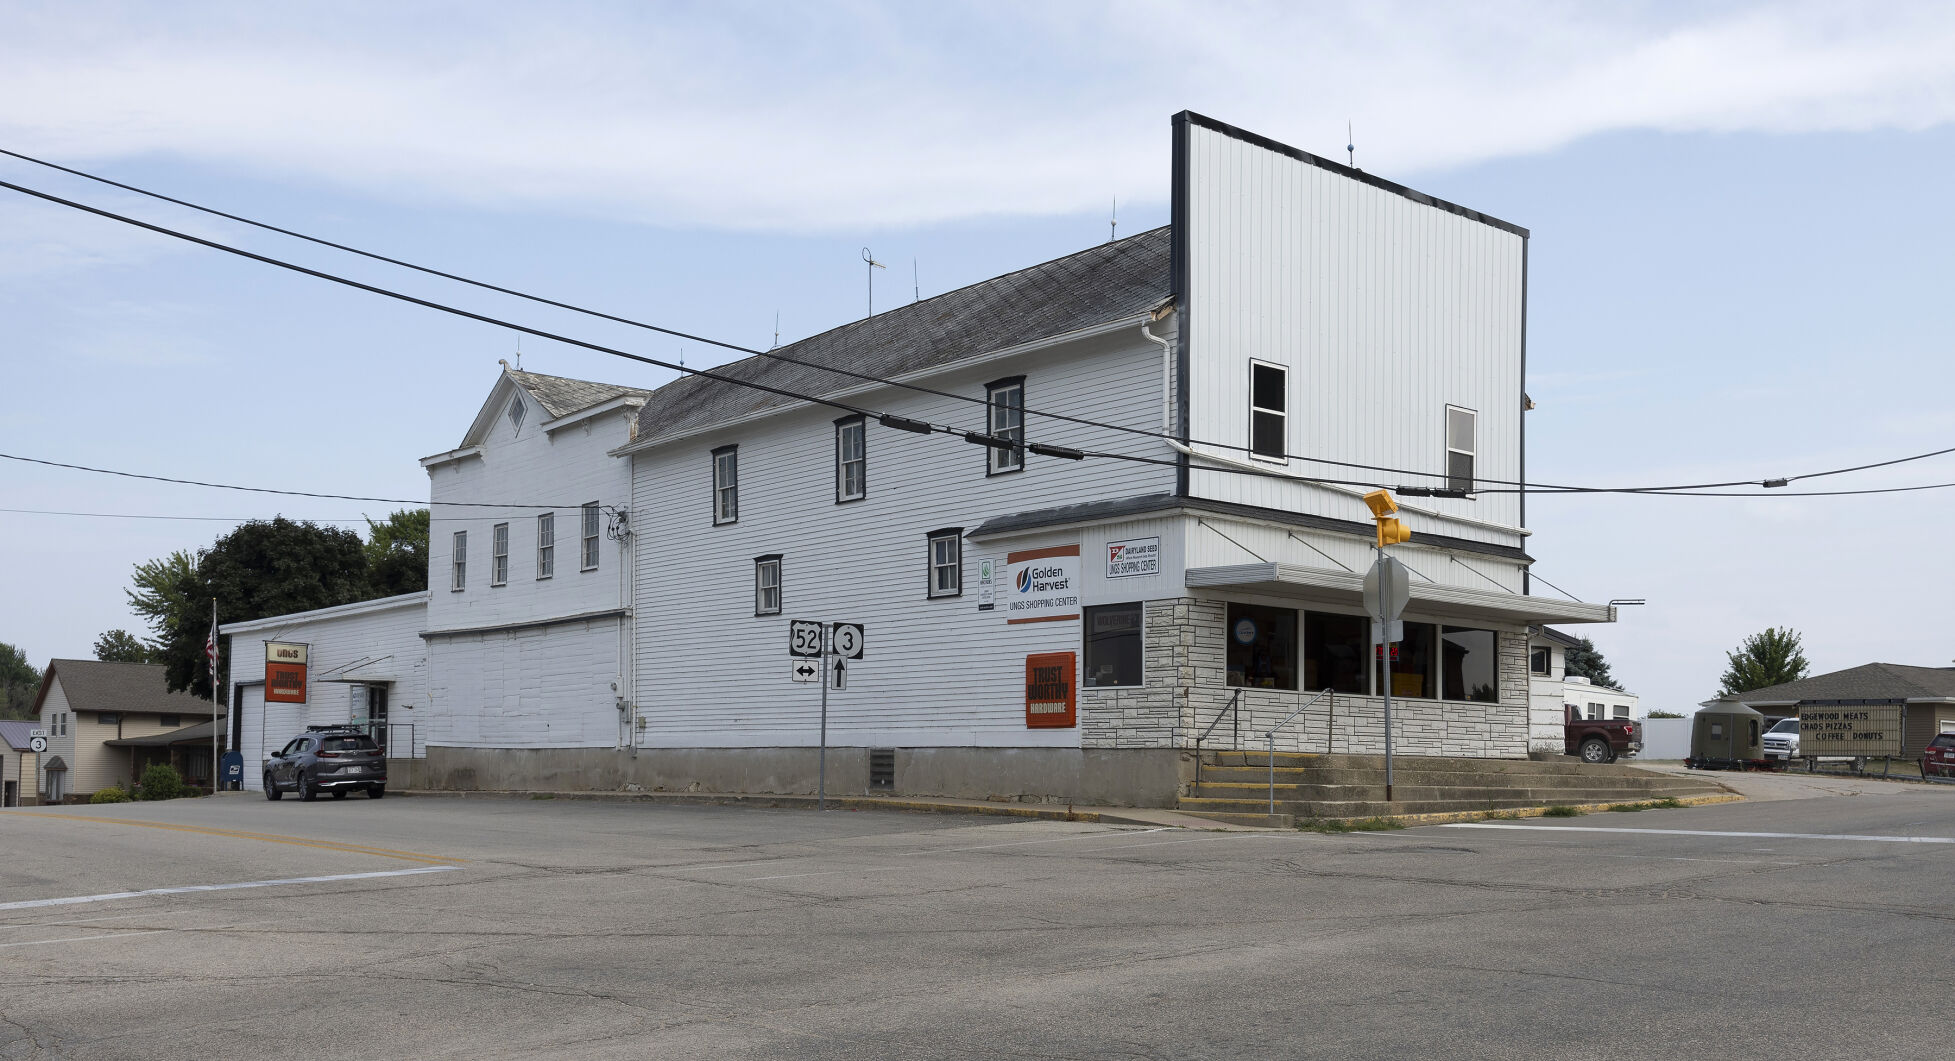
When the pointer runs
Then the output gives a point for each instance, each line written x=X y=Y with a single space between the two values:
x=1383 y=508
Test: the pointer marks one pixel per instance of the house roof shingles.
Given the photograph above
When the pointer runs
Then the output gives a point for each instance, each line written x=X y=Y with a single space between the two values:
x=560 y=396
x=92 y=685
x=1099 y=285
x=1871 y=681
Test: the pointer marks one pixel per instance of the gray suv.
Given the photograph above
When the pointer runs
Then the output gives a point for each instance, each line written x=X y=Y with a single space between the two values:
x=327 y=760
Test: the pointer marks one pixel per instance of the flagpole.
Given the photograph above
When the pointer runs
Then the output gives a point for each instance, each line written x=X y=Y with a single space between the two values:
x=215 y=703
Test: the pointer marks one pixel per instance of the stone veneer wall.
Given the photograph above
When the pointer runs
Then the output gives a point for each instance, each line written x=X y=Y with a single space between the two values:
x=1184 y=690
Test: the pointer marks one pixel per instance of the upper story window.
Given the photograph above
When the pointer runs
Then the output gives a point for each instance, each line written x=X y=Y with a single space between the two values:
x=460 y=562
x=516 y=412
x=726 y=484
x=169 y=721
x=851 y=459
x=1460 y=448
x=499 y=554
x=589 y=559
x=1269 y=410
x=1006 y=421
x=947 y=562
x=546 y=545
x=767 y=584
x=109 y=718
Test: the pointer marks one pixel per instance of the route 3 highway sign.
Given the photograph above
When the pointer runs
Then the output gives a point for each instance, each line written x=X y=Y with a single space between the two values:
x=847 y=641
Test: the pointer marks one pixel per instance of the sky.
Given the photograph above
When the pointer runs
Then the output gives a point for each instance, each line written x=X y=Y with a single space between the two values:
x=1739 y=263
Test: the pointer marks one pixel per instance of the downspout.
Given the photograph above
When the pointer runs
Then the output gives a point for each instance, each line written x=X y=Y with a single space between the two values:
x=1167 y=377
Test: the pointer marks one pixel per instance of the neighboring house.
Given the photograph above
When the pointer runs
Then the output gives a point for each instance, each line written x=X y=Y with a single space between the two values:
x=613 y=572
x=85 y=704
x=1927 y=696
x=1551 y=690
x=18 y=763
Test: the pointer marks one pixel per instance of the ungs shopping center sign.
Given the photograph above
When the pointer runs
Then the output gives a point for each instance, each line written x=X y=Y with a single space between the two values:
x=1041 y=585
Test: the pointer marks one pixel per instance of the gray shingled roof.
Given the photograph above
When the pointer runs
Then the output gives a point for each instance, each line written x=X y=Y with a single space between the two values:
x=92 y=685
x=1095 y=286
x=1872 y=681
x=17 y=734
x=560 y=396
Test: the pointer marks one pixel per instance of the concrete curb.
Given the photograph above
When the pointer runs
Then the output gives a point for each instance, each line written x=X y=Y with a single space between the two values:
x=1443 y=818
x=1043 y=812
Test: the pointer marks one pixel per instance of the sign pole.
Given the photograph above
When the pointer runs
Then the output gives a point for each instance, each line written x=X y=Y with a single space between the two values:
x=821 y=791
x=1385 y=652
x=216 y=701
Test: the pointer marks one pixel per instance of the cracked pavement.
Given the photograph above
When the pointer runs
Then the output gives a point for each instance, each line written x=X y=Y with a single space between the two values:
x=598 y=930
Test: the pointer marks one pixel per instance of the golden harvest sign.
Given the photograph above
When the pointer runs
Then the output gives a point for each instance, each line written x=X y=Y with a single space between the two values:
x=1850 y=729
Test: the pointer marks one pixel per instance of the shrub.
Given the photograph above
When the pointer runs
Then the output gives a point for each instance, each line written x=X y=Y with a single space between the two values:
x=161 y=781
x=111 y=794
x=1663 y=714
x=1563 y=811
x=1349 y=825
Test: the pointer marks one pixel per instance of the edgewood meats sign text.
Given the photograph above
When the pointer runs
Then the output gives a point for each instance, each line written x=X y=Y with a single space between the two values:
x=1042 y=585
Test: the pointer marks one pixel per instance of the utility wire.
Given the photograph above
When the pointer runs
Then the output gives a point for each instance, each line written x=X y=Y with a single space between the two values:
x=270 y=490
x=1520 y=487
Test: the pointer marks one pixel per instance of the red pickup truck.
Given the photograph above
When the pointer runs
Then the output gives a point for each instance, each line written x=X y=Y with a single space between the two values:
x=1599 y=740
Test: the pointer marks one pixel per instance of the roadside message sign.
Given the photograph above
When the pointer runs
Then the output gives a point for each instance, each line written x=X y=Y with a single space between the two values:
x=1856 y=729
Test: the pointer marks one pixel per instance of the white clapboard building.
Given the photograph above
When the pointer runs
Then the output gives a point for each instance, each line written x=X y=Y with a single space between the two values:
x=1087 y=513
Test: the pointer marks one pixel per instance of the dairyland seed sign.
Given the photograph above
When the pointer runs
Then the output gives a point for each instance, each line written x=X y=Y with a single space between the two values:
x=1869 y=729
x=1041 y=585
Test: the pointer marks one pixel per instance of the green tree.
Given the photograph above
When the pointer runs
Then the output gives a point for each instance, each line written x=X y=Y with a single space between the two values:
x=262 y=568
x=121 y=646
x=397 y=553
x=1583 y=661
x=20 y=683
x=1772 y=657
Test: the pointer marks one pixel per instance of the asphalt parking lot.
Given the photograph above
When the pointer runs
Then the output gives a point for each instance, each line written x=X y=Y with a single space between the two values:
x=426 y=927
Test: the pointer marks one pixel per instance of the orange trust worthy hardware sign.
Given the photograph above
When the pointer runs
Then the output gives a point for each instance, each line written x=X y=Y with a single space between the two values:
x=1049 y=684
x=284 y=672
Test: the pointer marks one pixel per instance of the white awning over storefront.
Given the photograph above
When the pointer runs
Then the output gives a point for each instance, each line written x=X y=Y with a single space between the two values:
x=1309 y=583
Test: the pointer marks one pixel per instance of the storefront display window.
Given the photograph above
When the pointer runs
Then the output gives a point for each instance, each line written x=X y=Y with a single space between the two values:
x=1262 y=646
x=1470 y=665
x=1413 y=671
x=1113 y=646
x=1334 y=648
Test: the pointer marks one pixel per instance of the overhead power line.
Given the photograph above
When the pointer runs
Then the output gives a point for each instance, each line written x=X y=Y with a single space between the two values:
x=1492 y=485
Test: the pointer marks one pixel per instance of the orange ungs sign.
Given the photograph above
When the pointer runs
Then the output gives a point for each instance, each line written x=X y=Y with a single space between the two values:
x=285 y=683
x=1050 y=700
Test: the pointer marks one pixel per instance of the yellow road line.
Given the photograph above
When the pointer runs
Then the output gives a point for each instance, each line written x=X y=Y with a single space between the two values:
x=328 y=845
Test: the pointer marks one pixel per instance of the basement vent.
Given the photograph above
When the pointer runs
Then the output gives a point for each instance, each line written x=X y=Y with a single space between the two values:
x=882 y=769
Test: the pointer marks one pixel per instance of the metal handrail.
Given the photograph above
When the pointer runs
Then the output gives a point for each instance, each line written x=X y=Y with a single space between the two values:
x=1234 y=709
x=1270 y=739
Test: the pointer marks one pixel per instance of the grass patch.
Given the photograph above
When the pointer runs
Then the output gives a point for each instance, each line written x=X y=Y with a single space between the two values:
x=1354 y=825
x=1562 y=810
x=1504 y=816
x=1666 y=803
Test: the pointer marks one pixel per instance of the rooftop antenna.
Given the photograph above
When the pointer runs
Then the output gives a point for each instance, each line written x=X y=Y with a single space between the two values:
x=777 y=331
x=1113 y=222
x=916 y=283
x=873 y=265
x=519 y=351
x=1350 y=143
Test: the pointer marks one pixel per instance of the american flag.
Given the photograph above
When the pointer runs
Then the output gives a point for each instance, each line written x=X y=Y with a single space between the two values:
x=210 y=650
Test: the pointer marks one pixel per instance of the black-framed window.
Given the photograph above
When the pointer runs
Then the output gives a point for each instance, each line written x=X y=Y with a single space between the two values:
x=1269 y=410
x=1461 y=447
x=946 y=555
x=1334 y=650
x=1540 y=661
x=169 y=721
x=1113 y=649
x=851 y=459
x=499 y=554
x=726 y=484
x=1262 y=646
x=767 y=584
x=458 y=563
x=1005 y=419
x=591 y=531
x=546 y=545
x=1446 y=663
x=109 y=718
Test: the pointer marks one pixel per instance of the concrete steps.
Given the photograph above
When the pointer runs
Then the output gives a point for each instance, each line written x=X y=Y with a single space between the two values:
x=1235 y=785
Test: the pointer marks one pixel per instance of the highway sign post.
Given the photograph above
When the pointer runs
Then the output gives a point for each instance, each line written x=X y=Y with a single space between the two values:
x=819 y=652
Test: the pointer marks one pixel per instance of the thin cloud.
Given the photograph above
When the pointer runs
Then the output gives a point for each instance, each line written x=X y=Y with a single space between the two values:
x=822 y=119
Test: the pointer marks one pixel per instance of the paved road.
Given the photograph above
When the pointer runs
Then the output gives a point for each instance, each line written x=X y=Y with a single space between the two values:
x=466 y=928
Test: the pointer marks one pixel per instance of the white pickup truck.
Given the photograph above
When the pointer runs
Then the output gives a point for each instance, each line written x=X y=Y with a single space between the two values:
x=1782 y=740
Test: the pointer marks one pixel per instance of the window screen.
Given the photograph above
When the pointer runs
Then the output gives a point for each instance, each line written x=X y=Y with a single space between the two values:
x=1460 y=448
x=460 y=573
x=1007 y=421
x=499 y=554
x=767 y=585
x=726 y=485
x=851 y=462
x=947 y=563
x=590 y=536
x=546 y=545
